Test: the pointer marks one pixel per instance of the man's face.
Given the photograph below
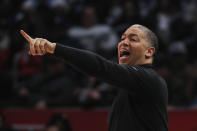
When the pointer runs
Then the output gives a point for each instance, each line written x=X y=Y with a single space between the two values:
x=132 y=47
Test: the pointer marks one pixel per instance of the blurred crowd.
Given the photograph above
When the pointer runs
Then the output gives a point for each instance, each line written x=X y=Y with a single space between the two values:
x=56 y=122
x=46 y=82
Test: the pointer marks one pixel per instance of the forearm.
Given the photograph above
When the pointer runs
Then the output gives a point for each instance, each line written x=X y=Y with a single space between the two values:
x=97 y=66
x=84 y=60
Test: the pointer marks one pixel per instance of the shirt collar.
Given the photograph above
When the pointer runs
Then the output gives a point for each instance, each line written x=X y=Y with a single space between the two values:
x=147 y=65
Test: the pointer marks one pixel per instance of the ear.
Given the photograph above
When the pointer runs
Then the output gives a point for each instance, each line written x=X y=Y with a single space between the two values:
x=149 y=52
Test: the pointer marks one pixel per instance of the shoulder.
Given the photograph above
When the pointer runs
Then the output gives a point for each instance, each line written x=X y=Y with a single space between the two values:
x=148 y=75
x=150 y=81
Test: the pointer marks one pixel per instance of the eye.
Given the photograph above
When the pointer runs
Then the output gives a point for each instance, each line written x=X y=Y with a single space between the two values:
x=132 y=39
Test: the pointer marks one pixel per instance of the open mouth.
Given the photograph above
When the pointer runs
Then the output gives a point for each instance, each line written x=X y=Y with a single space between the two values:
x=124 y=53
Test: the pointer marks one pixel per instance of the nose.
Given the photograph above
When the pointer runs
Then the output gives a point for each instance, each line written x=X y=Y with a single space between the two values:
x=123 y=43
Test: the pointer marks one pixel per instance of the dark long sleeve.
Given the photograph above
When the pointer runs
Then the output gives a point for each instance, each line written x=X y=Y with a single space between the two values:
x=141 y=104
x=95 y=65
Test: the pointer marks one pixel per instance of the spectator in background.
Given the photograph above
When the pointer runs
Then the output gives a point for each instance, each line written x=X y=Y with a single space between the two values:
x=57 y=84
x=27 y=66
x=50 y=88
x=94 y=36
x=165 y=16
x=128 y=15
x=60 y=20
x=146 y=7
x=95 y=93
x=58 y=122
x=174 y=21
x=5 y=54
x=182 y=83
x=23 y=71
x=189 y=8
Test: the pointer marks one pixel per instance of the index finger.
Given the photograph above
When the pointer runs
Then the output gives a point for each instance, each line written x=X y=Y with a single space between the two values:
x=26 y=36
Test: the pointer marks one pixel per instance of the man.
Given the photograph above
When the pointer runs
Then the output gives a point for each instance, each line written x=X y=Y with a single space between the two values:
x=141 y=104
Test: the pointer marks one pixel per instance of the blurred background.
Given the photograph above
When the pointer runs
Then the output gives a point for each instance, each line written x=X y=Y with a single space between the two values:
x=44 y=93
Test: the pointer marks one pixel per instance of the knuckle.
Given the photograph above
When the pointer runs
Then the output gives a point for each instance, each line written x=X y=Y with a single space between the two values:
x=36 y=40
x=36 y=46
x=42 y=45
x=42 y=39
x=37 y=43
x=45 y=40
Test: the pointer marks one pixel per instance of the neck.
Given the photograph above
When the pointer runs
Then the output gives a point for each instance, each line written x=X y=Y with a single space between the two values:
x=144 y=61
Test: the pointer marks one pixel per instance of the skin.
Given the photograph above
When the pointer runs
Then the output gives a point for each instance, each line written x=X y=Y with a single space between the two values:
x=133 y=40
x=39 y=46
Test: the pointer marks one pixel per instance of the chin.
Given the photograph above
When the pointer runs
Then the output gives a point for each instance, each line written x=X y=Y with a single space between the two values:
x=123 y=63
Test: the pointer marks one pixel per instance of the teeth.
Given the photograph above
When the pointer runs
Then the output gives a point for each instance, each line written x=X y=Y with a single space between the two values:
x=121 y=51
x=124 y=52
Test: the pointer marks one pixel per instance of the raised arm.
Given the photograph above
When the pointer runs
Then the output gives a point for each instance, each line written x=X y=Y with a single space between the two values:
x=95 y=65
x=88 y=62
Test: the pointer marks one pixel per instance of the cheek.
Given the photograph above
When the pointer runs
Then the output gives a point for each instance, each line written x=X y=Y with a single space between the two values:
x=137 y=50
x=118 y=48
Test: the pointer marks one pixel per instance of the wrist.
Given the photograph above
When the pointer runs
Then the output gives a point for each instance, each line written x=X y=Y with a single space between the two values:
x=53 y=46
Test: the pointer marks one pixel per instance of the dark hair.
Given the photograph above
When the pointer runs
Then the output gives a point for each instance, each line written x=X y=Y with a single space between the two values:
x=153 y=40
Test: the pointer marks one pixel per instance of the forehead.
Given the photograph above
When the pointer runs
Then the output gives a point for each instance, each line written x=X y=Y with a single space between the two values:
x=136 y=31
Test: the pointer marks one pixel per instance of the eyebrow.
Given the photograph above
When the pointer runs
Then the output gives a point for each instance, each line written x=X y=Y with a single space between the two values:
x=130 y=35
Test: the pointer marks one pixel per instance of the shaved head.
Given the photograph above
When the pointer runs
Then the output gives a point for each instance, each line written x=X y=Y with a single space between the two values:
x=151 y=38
x=138 y=45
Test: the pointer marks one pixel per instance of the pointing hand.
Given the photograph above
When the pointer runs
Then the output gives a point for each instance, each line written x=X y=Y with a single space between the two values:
x=39 y=46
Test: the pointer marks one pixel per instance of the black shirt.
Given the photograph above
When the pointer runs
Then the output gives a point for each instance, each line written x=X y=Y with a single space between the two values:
x=141 y=104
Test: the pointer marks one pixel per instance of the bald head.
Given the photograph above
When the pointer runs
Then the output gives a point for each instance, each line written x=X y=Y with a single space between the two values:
x=151 y=38
x=137 y=46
